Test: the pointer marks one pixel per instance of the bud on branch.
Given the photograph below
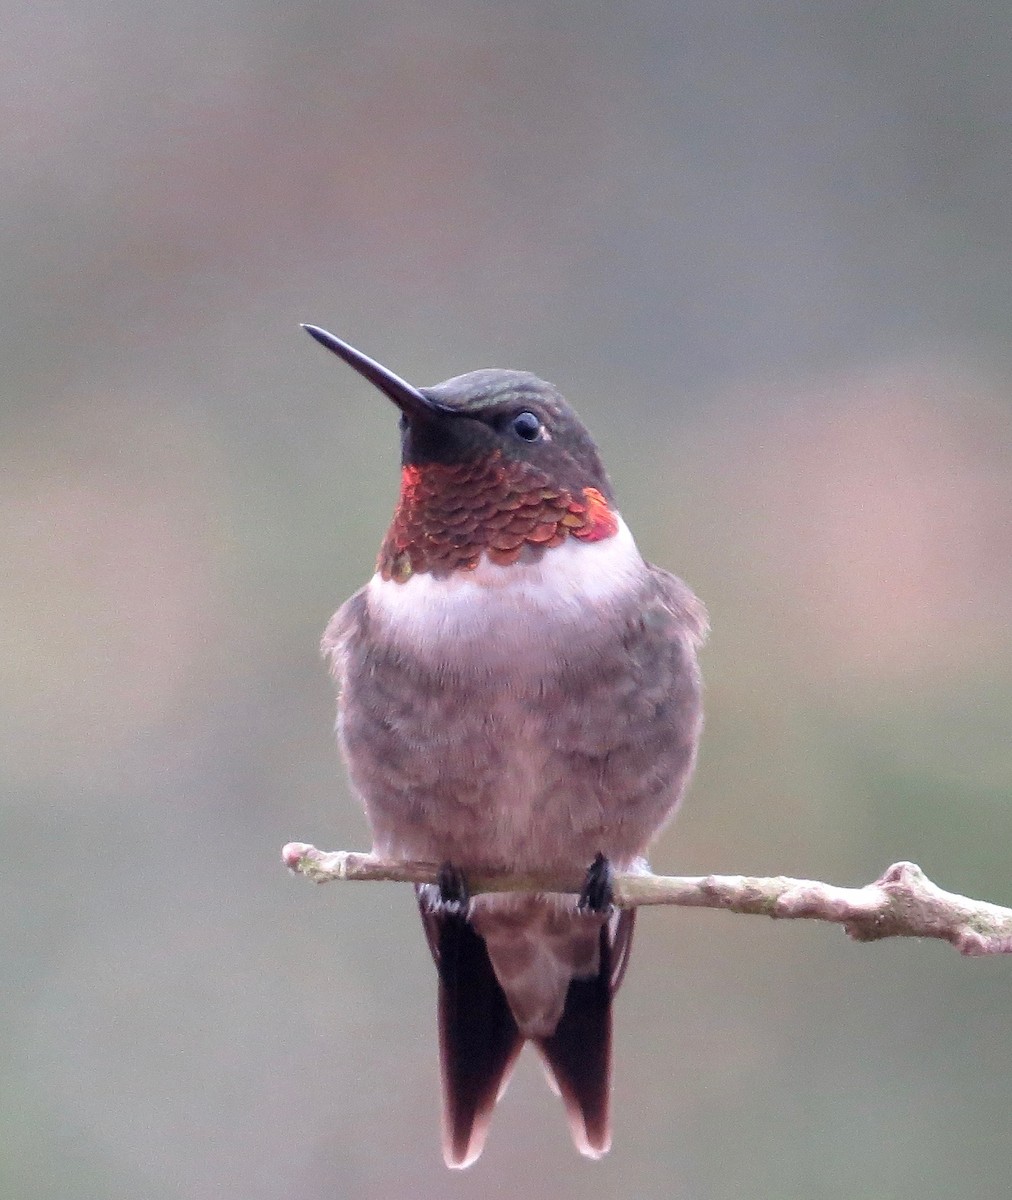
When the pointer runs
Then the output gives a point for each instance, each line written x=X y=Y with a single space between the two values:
x=903 y=902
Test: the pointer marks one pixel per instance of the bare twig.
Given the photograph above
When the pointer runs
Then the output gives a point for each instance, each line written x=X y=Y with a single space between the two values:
x=903 y=902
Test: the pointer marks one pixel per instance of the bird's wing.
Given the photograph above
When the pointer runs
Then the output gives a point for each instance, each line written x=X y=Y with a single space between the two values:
x=346 y=627
x=677 y=598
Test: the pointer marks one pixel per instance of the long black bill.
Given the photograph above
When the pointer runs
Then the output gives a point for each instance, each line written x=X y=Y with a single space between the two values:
x=407 y=398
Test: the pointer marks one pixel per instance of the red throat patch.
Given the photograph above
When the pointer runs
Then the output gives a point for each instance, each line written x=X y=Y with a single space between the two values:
x=448 y=516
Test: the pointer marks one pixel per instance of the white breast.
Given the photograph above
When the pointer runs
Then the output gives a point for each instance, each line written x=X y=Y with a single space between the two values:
x=506 y=612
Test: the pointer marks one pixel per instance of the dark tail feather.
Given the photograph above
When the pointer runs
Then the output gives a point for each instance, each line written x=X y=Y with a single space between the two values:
x=578 y=1054
x=478 y=1038
x=623 y=926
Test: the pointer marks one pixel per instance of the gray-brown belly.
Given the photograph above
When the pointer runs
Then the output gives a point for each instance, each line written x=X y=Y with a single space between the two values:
x=542 y=765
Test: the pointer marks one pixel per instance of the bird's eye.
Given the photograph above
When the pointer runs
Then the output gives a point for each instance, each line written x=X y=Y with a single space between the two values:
x=527 y=426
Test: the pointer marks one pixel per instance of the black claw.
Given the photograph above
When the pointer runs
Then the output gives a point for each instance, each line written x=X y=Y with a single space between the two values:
x=596 y=894
x=452 y=886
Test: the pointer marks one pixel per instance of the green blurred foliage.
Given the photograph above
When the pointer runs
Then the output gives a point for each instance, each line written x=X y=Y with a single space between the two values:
x=765 y=252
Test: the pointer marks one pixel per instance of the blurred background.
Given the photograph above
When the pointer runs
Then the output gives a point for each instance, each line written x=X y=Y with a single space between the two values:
x=765 y=250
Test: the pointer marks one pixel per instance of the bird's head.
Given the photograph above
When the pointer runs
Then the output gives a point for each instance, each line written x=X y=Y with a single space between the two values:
x=494 y=463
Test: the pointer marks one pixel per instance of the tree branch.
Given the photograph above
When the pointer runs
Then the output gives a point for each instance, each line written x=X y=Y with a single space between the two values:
x=902 y=903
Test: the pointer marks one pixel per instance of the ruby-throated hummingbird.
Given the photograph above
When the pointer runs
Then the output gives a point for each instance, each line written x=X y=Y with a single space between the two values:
x=518 y=692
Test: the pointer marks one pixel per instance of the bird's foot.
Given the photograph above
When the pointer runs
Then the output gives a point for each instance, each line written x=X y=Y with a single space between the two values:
x=453 y=893
x=596 y=893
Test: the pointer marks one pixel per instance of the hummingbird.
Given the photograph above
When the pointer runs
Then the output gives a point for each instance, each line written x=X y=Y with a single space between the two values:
x=518 y=692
